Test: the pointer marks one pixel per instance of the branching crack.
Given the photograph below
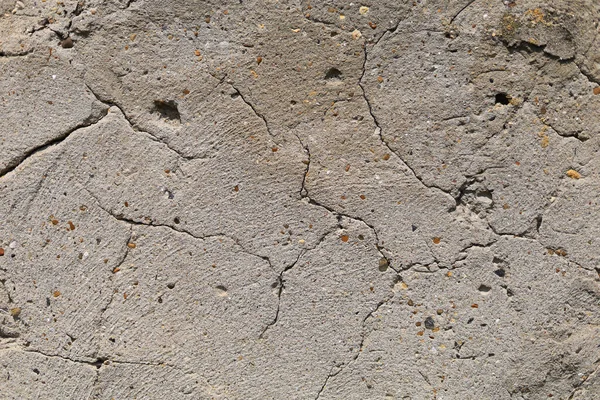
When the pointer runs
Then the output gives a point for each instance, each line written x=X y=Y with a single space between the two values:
x=380 y=131
x=281 y=280
x=281 y=284
x=339 y=215
x=360 y=347
x=151 y=223
x=134 y=126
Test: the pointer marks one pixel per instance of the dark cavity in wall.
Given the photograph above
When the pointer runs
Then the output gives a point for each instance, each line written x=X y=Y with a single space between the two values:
x=167 y=110
x=503 y=98
x=333 y=73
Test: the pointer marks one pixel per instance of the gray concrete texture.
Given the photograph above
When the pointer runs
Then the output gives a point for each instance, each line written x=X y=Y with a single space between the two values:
x=300 y=199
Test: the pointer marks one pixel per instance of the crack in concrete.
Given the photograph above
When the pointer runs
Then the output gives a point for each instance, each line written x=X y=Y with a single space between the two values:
x=134 y=126
x=89 y=121
x=117 y=266
x=256 y=112
x=579 y=386
x=97 y=363
x=461 y=10
x=380 y=130
x=304 y=194
x=281 y=280
x=281 y=283
x=176 y=229
x=362 y=342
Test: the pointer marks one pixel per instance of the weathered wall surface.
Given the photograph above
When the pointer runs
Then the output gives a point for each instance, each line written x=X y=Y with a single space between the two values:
x=299 y=199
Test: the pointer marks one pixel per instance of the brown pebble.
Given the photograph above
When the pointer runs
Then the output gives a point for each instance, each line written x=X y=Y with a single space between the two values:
x=56 y=293
x=258 y=60
x=54 y=222
x=15 y=312
x=383 y=263
x=71 y=226
x=597 y=90
x=386 y=157
x=573 y=174
x=344 y=238
x=131 y=245
x=475 y=305
x=436 y=240
x=67 y=43
x=1 y=251
x=440 y=311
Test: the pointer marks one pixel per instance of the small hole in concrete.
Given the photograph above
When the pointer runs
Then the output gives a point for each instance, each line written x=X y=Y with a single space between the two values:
x=333 y=73
x=167 y=110
x=176 y=220
x=171 y=285
x=484 y=288
x=500 y=272
x=221 y=291
x=503 y=98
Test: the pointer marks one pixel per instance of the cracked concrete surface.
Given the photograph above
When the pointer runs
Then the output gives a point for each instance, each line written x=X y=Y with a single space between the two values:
x=270 y=199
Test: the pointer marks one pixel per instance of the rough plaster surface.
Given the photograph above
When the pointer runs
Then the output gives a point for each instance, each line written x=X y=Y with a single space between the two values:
x=296 y=199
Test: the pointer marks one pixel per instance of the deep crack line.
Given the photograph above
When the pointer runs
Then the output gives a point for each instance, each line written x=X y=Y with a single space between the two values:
x=378 y=244
x=135 y=128
x=380 y=130
x=90 y=120
x=461 y=10
x=256 y=112
x=281 y=282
